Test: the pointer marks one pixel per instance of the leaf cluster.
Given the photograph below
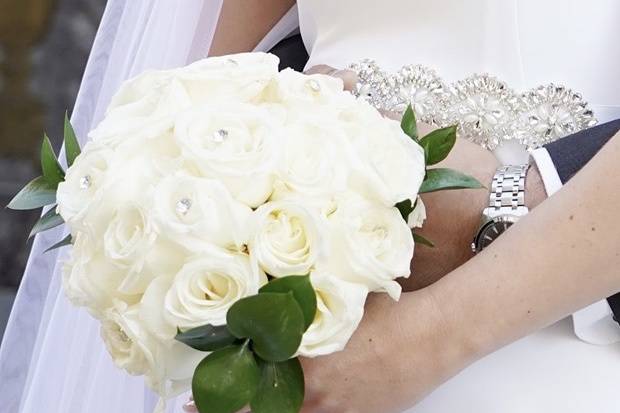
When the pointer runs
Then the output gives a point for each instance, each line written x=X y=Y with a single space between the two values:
x=252 y=357
x=41 y=191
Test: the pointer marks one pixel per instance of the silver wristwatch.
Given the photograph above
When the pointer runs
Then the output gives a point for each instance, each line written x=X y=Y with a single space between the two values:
x=506 y=205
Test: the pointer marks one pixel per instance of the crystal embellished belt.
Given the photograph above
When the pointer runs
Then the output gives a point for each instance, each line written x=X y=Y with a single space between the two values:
x=486 y=110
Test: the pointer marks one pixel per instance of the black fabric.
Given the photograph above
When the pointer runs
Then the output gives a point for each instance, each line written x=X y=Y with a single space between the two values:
x=292 y=53
x=572 y=153
x=614 y=303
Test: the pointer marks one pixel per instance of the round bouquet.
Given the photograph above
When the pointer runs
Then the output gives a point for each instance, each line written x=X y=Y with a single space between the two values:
x=227 y=217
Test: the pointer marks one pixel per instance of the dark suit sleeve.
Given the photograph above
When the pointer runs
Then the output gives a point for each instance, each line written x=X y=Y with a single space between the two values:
x=572 y=153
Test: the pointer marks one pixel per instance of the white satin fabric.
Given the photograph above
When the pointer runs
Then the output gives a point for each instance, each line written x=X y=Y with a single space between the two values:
x=526 y=43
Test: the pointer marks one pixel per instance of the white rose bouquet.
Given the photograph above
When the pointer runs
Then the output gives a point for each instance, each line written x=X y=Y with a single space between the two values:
x=226 y=218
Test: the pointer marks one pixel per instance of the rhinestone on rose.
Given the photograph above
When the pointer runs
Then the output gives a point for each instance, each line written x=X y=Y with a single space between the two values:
x=85 y=182
x=183 y=206
x=220 y=135
x=314 y=85
x=123 y=336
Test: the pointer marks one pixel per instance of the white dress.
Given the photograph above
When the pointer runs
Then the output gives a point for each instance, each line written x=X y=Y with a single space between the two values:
x=526 y=43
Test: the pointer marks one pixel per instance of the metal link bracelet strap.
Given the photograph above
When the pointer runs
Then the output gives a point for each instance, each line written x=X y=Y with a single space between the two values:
x=508 y=190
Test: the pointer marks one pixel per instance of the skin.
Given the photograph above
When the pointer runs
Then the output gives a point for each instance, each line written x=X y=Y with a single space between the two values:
x=233 y=34
x=569 y=241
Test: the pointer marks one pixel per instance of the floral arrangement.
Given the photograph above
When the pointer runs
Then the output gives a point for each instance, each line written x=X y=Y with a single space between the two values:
x=226 y=218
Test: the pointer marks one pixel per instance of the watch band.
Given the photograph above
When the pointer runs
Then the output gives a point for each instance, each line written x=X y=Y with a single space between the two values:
x=508 y=190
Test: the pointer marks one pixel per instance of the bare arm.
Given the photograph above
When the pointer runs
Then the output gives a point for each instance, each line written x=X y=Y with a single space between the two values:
x=560 y=258
x=244 y=23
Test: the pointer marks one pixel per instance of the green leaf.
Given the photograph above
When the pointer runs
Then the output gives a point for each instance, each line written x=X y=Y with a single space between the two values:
x=438 y=144
x=281 y=388
x=302 y=290
x=405 y=208
x=64 y=242
x=72 y=147
x=443 y=179
x=409 y=123
x=206 y=338
x=52 y=171
x=49 y=220
x=226 y=380
x=35 y=194
x=419 y=239
x=274 y=322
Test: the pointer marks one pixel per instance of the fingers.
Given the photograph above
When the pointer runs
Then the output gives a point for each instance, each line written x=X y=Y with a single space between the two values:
x=190 y=406
x=321 y=70
x=390 y=114
x=349 y=77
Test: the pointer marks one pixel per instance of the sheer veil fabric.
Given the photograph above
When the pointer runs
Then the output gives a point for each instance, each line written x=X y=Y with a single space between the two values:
x=52 y=358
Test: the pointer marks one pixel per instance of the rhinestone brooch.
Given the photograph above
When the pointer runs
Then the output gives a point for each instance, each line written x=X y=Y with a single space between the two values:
x=485 y=109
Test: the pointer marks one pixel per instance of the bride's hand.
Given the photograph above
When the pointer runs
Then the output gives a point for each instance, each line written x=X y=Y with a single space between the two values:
x=400 y=352
x=394 y=358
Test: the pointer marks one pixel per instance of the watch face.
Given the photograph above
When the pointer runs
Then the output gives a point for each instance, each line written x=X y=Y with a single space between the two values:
x=491 y=231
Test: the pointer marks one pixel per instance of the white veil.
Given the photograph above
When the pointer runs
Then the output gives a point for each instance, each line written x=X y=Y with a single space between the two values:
x=52 y=358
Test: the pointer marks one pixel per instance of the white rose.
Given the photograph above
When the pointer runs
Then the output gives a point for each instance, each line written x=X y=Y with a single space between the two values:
x=314 y=162
x=340 y=307
x=91 y=280
x=130 y=180
x=190 y=209
x=287 y=238
x=200 y=293
x=417 y=217
x=134 y=349
x=153 y=137
x=142 y=104
x=390 y=165
x=204 y=289
x=129 y=237
x=238 y=144
x=295 y=89
x=129 y=344
x=133 y=243
x=156 y=95
x=239 y=77
x=371 y=244
x=84 y=183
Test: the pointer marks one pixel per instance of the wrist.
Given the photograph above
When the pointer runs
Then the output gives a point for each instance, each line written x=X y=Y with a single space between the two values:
x=436 y=334
x=463 y=341
x=534 y=188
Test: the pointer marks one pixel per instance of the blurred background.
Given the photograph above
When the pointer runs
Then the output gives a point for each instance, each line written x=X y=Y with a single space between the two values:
x=44 y=46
